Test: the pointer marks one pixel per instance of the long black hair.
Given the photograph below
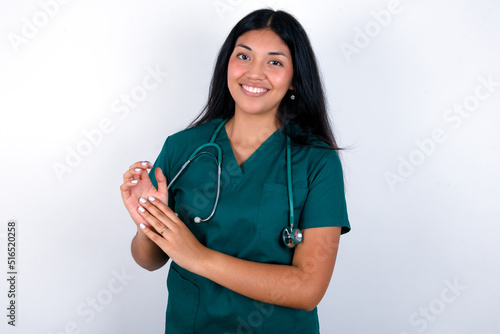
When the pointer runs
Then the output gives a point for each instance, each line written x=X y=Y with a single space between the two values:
x=307 y=113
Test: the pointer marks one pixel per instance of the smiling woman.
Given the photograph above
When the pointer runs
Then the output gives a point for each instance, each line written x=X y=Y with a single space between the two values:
x=254 y=71
x=257 y=80
x=263 y=258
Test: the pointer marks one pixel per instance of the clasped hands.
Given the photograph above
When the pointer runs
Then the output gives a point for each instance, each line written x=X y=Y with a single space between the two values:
x=147 y=207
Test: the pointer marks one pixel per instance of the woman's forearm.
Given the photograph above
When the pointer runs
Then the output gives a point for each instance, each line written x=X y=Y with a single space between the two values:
x=146 y=253
x=301 y=285
x=260 y=281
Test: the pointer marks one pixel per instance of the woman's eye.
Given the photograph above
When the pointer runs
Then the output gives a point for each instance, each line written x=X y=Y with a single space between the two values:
x=275 y=62
x=242 y=56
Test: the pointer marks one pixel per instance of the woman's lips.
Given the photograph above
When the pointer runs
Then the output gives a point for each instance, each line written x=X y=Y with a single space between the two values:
x=253 y=91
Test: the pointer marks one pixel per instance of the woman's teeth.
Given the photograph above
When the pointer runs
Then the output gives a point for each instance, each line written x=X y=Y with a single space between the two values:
x=254 y=89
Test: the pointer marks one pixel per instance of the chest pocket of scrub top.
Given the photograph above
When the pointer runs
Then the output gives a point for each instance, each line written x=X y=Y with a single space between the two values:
x=274 y=212
x=183 y=301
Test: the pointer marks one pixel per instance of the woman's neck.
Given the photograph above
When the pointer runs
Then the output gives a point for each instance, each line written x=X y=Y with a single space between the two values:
x=246 y=133
x=251 y=130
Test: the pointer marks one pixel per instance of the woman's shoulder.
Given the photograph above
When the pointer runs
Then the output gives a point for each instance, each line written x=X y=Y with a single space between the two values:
x=201 y=132
x=179 y=145
x=319 y=153
x=311 y=145
x=190 y=138
x=318 y=156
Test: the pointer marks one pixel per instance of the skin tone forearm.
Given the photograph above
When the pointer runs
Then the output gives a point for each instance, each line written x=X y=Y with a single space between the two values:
x=146 y=253
x=301 y=285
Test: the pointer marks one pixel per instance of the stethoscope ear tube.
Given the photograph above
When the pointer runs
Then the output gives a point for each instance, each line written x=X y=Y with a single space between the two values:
x=198 y=219
x=196 y=153
x=178 y=173
x=219 y=172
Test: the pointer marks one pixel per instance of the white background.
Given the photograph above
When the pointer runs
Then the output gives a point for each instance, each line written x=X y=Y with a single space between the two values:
x=434 y=225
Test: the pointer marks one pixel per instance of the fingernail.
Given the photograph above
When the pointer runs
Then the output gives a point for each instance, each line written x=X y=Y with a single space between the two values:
x=142 y=200
x=150 y=164
x=141 y=209
x=134 y=181
x=151 y=198
x=138 y=169
x=142 y=226
x=145 y=163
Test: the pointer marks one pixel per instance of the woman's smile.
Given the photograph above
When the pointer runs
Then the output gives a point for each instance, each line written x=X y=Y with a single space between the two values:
x=253 y=90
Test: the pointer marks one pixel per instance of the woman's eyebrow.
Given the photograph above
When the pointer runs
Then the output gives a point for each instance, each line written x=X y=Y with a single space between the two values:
x=273 y=53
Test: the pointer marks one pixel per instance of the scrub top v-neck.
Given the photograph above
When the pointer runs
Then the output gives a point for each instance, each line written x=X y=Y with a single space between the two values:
x=252 y=212
x=254 y=160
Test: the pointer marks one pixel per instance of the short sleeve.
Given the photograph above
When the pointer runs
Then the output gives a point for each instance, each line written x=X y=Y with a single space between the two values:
x=162 y=161
x=325 y=203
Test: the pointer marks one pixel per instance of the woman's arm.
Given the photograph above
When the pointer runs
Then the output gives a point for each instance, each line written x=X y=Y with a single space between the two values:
x=146 y=253
x=301 y=285
x=136 y=184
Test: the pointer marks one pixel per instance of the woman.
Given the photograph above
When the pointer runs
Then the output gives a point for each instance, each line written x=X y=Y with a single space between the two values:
x=230 y=236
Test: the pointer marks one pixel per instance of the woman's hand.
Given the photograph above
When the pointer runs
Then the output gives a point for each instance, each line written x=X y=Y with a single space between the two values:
x=171 y=234
x=136 y=184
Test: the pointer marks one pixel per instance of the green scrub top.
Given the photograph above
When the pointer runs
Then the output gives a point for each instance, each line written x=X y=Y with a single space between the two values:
x=251 y=214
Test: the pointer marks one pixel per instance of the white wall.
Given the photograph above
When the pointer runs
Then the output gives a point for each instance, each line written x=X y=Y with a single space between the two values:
x=422 y=179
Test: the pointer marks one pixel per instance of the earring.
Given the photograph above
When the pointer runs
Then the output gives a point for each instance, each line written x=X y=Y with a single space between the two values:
x=292 y=97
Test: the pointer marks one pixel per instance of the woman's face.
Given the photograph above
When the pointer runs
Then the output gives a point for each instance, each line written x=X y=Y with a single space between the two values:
x=260 y=72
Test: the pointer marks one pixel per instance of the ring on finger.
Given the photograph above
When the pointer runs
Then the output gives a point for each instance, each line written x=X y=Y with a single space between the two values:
x=163 y=230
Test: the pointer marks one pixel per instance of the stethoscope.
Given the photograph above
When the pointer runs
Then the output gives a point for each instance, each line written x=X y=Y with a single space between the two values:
x=291 y=235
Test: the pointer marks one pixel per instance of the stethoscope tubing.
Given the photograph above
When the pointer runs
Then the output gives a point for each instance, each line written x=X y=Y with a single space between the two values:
x=193 y=155
x=289 y=182
x=196 y=153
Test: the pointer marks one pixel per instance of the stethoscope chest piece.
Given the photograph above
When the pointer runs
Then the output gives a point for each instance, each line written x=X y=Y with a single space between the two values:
x=291 y=238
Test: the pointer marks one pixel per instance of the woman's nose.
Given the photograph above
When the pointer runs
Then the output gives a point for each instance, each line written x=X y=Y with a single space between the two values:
x=256 y=71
